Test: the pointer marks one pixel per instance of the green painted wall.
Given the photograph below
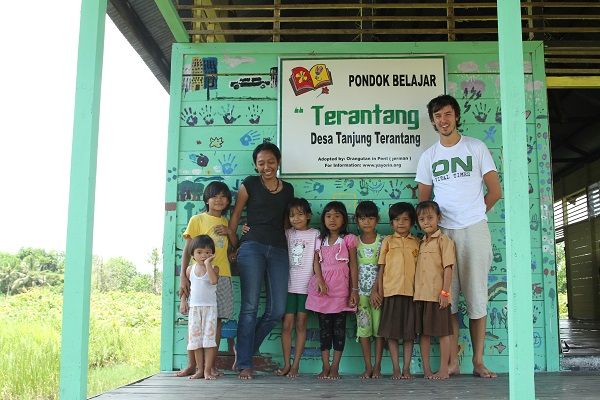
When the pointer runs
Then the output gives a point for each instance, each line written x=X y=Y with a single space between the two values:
x=212 y=133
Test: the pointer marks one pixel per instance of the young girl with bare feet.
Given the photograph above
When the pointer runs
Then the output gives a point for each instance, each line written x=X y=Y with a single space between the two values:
x=369 y=305
x=333 y=290
x=397 y=263
x=211 y=222
x=202 y=311
x=432 y=288
x=302 y=243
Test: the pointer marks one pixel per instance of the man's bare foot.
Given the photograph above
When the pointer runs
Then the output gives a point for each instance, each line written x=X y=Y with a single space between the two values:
x=427 y=374
x=396 y=374
x=453 y=369
x=245 y=374
x=367 y=374
x=482 y=372
x=324 y=374
x=334 y=373
x=406 y=374
x=376 y=373
x=440 y=375
x=198 y=375
x=293 y=373
x=283 y=371
x=186 y=372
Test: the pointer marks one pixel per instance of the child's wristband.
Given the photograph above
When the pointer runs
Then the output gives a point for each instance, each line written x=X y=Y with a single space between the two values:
x=444 y=293
x=355 y=289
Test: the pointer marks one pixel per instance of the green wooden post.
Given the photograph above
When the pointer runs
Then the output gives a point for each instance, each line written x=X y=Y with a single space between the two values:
x=76 y=301
x=518 y=244
x=170 y=225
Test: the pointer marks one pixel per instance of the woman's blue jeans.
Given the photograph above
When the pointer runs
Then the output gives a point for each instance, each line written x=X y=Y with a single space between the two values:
x=258 y=262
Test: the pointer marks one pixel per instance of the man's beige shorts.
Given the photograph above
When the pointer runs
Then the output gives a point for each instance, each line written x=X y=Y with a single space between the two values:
x=473 y=263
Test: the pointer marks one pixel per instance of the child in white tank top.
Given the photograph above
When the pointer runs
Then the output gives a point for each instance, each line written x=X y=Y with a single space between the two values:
x=202 y=307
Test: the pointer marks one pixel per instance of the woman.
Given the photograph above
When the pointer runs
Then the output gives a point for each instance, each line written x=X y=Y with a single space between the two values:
x=262 y=253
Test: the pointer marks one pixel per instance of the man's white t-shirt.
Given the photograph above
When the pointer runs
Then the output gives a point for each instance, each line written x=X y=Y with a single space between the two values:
x=456 y=174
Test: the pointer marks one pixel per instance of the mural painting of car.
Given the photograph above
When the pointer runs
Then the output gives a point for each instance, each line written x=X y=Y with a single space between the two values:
x=249 y=82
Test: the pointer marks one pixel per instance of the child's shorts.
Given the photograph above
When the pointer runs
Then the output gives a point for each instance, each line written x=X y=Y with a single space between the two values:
x=367 y=318
x=295 y=303
x=202 y=327
x=225 y=297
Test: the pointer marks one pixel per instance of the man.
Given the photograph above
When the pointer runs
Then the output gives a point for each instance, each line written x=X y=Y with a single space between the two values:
x=456 y=169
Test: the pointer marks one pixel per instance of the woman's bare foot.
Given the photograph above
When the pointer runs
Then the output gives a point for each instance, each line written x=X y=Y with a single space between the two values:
x=214 y=371
x=293 y=373
x=427 y=374
x=210 y=377
x=186 y=372
x=376 y=373
x=367 y=374
x=198 y=375
x=324 y=374
x=334 y=373
x=396 y=374
x=406 y=374
x=283 y=371
x=482 y=372
x=440 y=375
x=245 y=374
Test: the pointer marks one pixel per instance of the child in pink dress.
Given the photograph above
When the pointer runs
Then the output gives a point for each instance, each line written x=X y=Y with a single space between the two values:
x=333 y=289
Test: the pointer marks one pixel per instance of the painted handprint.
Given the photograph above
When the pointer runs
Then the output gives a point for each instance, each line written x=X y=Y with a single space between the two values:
x=394 y=192
x=481 y=112
x=206 y=114
x=363 y=187
x=227 y=113
x=189 y=116
x=344 y=184
x=314 y=186
x=498 y=115
x=534 y=222
x=249 y=138
x=529 y=148
x=413 y=190
x=254 y=113
x=227 y=164
x=469 y=95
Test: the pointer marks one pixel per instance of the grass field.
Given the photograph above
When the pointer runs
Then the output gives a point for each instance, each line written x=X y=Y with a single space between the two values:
x=124 y=342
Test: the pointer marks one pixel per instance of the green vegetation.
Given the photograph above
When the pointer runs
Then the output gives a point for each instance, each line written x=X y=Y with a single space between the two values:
x=561 y=280
x=124 y=341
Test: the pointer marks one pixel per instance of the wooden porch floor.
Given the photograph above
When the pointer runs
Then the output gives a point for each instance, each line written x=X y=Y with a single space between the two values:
x=164 y=386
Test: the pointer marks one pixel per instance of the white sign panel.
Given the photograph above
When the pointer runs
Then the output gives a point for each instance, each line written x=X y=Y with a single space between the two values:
x=356 y=116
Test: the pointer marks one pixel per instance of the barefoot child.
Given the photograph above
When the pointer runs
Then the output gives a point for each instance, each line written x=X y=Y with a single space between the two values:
x=302 y=243
x=432 y=287
x=397 y=262
x=333 y=289
x=212 y=222
x=369 y=311
x=202 y=319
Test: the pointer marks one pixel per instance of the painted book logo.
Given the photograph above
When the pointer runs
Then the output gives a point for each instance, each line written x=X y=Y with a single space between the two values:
x=304 y=80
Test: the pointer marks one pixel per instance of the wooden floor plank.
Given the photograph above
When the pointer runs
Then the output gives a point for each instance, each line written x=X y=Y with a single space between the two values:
x=164 y=386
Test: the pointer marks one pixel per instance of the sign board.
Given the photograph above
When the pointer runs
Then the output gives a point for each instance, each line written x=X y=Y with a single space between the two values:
x=356 y=116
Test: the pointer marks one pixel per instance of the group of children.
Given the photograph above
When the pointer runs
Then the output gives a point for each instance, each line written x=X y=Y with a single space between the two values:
x=398 y=285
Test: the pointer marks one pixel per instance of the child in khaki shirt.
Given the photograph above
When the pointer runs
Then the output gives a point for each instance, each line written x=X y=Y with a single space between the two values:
x=432 y=287
x=396 y=283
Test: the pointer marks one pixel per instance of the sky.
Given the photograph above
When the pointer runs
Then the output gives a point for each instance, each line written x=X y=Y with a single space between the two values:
x=37 y=89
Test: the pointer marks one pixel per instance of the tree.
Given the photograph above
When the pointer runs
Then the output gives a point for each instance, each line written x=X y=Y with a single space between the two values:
x=561 y=268
x=119 y=273
x=154 y=260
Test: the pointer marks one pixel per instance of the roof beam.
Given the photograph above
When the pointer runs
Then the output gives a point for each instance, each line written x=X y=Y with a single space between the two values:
x=573 y=82
x=169 y=13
